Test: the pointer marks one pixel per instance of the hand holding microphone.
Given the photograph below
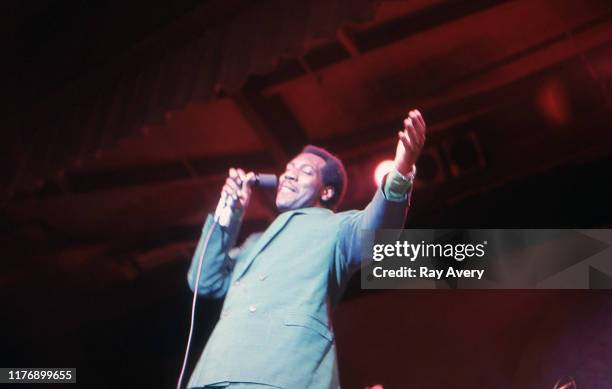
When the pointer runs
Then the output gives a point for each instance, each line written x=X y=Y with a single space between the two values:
x=236 y=192
x=237 y=187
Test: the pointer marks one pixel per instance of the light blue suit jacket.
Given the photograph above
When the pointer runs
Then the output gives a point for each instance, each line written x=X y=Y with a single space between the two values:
x=279 y=290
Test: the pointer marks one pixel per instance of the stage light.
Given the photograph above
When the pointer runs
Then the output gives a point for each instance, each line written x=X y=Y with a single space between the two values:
x=383 y=168
x=553 y=102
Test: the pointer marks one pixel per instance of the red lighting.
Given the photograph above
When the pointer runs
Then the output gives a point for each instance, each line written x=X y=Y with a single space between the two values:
x=553 y=102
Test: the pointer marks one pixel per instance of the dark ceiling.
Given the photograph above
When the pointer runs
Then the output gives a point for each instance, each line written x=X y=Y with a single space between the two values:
x=52 y=43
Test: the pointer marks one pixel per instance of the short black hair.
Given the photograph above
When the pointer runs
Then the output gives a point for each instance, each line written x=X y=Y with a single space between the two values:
x=333 y=173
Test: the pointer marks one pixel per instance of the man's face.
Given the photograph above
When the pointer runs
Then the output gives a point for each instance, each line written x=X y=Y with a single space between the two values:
x=301 y=184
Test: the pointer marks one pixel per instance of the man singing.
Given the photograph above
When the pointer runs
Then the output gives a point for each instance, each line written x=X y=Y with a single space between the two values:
x=279 y=287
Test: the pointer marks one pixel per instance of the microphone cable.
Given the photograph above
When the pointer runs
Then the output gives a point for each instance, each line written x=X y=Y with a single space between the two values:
x=193 y=303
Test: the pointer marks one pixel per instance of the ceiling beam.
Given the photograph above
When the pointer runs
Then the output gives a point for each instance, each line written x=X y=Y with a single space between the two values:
x=355 y=41
x=84 y=181
x=273 y=122
x=245 y=102
x=414 y=23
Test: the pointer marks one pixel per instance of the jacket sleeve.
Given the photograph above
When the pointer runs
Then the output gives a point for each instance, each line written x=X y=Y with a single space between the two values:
x=217 y=264
x=380 y=213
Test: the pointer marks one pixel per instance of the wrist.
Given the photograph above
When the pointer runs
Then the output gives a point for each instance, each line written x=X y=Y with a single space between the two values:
x=397 y=185
x=407 y=174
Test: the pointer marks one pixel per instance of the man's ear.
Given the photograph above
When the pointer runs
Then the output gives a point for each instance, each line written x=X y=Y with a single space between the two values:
x=327 y=193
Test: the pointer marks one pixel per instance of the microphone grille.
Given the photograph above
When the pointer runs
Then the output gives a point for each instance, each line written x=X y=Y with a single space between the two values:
x=266 y=180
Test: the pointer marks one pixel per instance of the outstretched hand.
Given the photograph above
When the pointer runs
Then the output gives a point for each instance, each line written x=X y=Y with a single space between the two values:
x=410 y=143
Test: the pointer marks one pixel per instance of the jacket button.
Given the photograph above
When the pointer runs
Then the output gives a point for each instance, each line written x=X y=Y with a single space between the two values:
x=252 y=308
x=262 y=277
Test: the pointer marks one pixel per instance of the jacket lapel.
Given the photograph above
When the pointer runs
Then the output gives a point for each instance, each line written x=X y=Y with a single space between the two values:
x=263 y=241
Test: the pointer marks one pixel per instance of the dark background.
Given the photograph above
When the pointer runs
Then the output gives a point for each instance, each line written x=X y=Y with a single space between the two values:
x=121 y=119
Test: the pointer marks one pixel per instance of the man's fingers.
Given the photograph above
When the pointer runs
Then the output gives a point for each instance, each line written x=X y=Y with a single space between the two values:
x=411 y=126
x=408 y=122
x=403 y=136
x=409 y=131
x=232 y=184
x=241 y=175
x=237 y=186
x=417 y=122
x=416 y=136
x=249 y=177
x=230 y=192
x=417 y=118
x=414 y=139
x=419 y=125
x=422 y=121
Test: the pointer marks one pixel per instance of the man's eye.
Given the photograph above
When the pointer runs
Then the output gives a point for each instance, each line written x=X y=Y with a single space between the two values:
x=308 y=171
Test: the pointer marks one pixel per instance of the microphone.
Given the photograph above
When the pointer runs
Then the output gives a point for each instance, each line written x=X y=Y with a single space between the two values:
x=266 y=181
x=225 y=207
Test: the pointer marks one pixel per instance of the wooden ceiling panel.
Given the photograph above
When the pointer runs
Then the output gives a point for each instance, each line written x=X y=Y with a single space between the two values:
x=199 y=130
x=388 y=10
x=122 y=212
x=420 y=70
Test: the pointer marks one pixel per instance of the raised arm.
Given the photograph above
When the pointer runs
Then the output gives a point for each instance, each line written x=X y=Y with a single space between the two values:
x=390 y=203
